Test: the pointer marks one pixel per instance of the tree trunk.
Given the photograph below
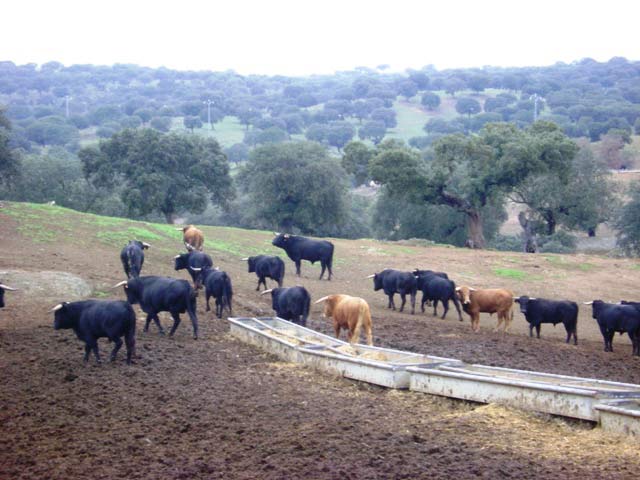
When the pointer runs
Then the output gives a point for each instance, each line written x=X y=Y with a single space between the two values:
x=170 y=217
x=475 y=230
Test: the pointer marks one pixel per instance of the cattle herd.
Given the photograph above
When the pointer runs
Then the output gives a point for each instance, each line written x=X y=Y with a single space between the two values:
x=94 y=319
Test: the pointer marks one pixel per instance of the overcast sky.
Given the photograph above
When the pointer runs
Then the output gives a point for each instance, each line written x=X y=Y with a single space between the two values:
x=301 y=37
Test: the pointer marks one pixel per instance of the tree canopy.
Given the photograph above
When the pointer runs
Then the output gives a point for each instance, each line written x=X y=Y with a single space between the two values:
x=160 y=173
x=295 y=186
x=468 y=173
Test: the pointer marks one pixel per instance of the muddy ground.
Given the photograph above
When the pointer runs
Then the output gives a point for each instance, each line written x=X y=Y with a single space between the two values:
x=217 y=408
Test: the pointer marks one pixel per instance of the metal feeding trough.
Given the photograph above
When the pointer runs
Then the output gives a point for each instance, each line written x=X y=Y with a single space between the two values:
x=556 y=394
x=615 y=405
x=621 y=416
x=293 y=343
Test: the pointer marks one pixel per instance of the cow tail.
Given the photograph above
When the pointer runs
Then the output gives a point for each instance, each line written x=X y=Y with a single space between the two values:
x=362 y=314
x=227 y=293
x=305 y=313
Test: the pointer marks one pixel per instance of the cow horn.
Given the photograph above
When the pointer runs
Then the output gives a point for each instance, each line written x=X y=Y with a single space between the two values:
x=588 y=303
x=458 y=289
x=6 y=287
x=320 y=300
x=177 y=256
x=195 y=269
x=515 y=298
x=471 y=289
x=371 y=276
x=119 y=284
x=57 y=307
x=266 y=291
x=145 y=244
x=217 y=269
x=245 y=259
x=276 y=233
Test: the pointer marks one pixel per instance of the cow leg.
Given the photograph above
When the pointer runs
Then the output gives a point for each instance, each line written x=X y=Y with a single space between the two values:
x=219 y=307
x=456 y=304
x=392 y=304
x=404 y=300
x=116 y=348
x=208 y=307
x=323 y=265
x=156 y=320
x=435 y=308
x=531 y=330
x=423 y=301
x=176 y=322
x=413 y=303
x=575 y=337
x=93 y=345
x=538 y=330
x=336 y=328
x=298 y=268
x=475 y=322
x=330 y=272
x=446 y=308
x=87 y=351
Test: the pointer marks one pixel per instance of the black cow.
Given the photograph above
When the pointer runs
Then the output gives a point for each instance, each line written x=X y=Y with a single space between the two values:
x=93 y=319
x=302 y=248
x=540 y=310
x=395 y=281
x=194 y=262
x=613 y=318
x=437 y=287
x=163 y=294
x=2 y=289
x=266 y=267
x=217 y=284
x=132 y=257
x=291 y=303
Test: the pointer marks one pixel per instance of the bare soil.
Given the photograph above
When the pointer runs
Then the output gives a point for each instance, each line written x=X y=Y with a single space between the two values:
x=218 y=408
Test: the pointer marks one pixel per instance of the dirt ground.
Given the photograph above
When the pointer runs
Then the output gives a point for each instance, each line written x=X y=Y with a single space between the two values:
x=218 y=408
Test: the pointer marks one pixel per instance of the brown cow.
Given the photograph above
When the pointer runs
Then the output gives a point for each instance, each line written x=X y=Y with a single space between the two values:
x=489 y=300
x=350 y=313
x=192 y=237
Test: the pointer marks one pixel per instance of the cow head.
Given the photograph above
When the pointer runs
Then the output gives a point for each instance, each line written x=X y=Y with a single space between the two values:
x=275 y=295
x=181 y=261
x=251 y=262
x=2 y=289
x=464 y=294
x=596 y=306
x=61 y=317
x=377 y=281
x=282 y=240
x=523 y=301
x=131 y=288
x=142 y=245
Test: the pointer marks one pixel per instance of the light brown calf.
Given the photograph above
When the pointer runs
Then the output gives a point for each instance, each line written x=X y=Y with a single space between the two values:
x=350 y=313
x=489 y=300
x=192 y=237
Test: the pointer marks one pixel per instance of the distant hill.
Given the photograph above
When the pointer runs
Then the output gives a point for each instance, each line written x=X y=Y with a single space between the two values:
x=74 y=106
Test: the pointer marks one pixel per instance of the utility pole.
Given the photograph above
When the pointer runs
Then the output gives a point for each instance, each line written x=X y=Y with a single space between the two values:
x=66 y=101
x=209 y=103
x=536 y=98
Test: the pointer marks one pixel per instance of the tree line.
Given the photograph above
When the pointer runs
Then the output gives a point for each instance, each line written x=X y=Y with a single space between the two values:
x=51 y=104
x=454 y=191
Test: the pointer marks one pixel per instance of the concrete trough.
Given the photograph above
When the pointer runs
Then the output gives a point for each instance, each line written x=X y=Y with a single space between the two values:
x=620 y=416
x=293 y=343
x=380 y=366
x=616 y=406
x=555 y=394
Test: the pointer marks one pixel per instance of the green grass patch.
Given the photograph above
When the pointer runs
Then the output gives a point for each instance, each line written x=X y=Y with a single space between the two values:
x=510 y=273
x=121 y=237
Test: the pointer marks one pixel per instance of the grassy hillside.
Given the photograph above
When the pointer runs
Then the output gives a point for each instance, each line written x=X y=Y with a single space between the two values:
x=580 y=277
